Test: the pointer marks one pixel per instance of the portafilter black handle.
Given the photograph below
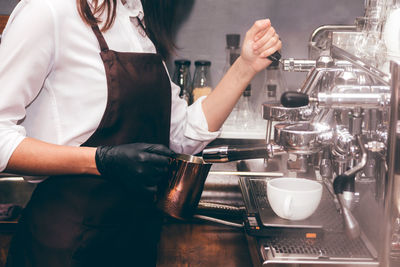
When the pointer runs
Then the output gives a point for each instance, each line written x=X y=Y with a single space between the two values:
x=232 y=153
x=294 y=99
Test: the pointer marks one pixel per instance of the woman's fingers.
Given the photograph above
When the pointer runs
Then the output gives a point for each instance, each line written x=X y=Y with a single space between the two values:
x=264 y=37
x=261 y=41
x=260 y=34
x=273 y=43
x=269 y=51
x=256 y=31
x=270 y=38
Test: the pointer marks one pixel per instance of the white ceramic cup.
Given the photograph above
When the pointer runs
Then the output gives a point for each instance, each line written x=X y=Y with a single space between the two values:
x=294 y=198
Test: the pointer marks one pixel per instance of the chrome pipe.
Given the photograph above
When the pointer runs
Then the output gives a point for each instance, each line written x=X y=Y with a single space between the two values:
x=321 y=29
x=314 y=77
x=323 y=65
x=301 y=65
x=351 y=100
x=376 y=73
x=320 y=38
x=363 y=161
x=310 y=81
x=268 y=131
x=352 y=228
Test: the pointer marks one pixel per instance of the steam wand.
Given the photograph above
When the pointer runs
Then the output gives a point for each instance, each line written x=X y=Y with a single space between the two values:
x=344 y=187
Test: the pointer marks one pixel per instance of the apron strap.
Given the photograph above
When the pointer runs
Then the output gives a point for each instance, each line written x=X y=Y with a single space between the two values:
x=100 y=38
x=96 y=30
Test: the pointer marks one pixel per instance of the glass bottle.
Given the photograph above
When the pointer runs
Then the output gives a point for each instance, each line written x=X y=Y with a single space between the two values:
x=274 y=83
x=201 y=80
x=232 y=51
x=183 y=79
x=245 y=115
x=371 y=46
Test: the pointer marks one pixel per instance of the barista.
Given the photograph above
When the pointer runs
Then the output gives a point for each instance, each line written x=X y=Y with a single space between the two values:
x=89 y=111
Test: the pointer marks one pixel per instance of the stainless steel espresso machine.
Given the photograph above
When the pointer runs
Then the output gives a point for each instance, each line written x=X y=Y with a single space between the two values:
x=341 y=127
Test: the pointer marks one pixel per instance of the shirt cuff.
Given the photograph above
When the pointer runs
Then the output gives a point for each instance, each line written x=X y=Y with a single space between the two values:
x=195 y=129
x=10 y=141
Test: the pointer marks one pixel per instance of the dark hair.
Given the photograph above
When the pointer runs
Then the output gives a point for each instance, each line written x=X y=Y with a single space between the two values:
x=158 y=20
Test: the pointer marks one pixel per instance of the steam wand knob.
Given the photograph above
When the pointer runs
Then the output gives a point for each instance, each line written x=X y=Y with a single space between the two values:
x=292 y=99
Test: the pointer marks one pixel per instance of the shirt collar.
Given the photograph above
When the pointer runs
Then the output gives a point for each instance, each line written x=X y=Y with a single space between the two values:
x=134 y=7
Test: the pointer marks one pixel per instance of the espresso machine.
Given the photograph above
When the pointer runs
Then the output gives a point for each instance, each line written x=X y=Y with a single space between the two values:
x=341 y=127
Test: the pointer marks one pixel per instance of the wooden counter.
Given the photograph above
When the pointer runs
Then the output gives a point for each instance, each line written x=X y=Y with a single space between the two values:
x=202 y=244
x=188 y=244
x=5 y=239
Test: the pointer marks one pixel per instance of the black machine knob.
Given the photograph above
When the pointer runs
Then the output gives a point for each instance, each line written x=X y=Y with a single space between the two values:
x=294 y=99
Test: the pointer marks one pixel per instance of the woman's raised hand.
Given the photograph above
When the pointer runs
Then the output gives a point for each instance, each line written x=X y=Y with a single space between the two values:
x=260 y=41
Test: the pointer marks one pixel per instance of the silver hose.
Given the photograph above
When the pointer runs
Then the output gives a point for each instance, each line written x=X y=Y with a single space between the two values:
x=215 y=220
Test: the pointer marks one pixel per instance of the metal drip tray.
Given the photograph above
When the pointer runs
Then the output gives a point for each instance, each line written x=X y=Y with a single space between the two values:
x=333 y=248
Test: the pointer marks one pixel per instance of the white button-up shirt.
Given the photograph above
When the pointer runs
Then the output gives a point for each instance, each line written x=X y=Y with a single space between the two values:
x=52 y=80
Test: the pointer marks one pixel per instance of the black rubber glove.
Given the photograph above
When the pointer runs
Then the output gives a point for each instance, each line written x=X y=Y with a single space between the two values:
x=135 y=163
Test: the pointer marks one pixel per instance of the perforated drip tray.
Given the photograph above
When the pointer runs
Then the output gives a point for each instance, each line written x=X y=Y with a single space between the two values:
x=333 y=248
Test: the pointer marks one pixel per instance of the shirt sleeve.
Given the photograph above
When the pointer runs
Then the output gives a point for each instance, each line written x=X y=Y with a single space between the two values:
x=26 y=56
x=189 y=132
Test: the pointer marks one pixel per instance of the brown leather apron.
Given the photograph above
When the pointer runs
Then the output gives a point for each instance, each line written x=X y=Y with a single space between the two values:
x=90 y=221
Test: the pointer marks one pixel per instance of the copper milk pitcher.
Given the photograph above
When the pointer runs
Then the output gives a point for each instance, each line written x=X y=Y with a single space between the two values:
x=180 y=195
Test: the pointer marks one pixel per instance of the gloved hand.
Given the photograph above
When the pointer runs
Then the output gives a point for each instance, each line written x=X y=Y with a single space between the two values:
x=136 y=163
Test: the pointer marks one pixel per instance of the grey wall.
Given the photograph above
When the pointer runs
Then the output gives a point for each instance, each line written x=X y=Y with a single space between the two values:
x=6 y=6
x=202 y=35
